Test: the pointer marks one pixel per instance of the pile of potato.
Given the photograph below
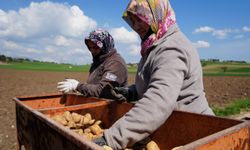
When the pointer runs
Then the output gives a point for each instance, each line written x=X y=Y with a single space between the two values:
x=81 y=124
x=87 y=126
x=150 y=146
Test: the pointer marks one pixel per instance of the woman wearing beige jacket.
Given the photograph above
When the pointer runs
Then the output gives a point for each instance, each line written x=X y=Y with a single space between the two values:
x=169 y=75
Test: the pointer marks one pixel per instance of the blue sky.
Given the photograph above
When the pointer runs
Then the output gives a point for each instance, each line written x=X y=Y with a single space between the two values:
x=54 y=30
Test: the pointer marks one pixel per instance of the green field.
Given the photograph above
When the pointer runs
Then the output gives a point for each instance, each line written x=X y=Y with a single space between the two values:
x=226 y=69
x=210 y=69
x=42 y=66
x=233 y=108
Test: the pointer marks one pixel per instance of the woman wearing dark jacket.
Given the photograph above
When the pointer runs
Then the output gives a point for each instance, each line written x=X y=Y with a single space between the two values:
x=107 y=70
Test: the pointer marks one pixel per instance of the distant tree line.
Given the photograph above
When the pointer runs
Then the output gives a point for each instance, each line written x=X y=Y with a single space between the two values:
x=132 y=64
x=204 y=62
x=8 y=59
x=217 y=60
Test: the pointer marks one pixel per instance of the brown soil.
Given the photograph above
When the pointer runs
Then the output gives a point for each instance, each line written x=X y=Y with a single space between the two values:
x=13 y=83
x=222 y=90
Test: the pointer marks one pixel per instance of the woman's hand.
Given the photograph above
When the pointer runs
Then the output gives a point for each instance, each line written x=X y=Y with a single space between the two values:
x=67 y=85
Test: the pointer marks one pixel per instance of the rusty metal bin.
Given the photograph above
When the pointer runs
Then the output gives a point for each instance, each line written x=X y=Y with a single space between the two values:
x=188 y=130
x=32 y=129
x=54 y=100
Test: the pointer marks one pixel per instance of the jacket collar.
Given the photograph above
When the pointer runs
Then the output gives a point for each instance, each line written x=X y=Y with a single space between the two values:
x=103 y=57
x=172 y=29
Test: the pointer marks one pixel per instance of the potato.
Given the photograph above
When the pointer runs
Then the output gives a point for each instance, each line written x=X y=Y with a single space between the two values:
x=107 y=147
x=87 y=130
x=82 y=120
x=79 y=131
x=91 y=121
x=96 y=129
x=98 y=122
x=89 y=135
x=60 y=119
x=88 y=115
x=86 y=120
x=152 y=146
x=81 y=124
x=71 y=124
x=68 y=116
x=76 y=117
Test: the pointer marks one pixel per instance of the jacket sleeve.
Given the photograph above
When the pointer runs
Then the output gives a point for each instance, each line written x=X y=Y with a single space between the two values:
x=114 y=73
x=167 y=71
x=133 y=96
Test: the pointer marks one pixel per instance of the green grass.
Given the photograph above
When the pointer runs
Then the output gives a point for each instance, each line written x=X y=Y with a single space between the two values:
x=224 y=63
x=233 y=108
x=239 y=70
x=42 y=66
x=132 y=69
x=210 y=69
x=226 y=74
x=226 y=69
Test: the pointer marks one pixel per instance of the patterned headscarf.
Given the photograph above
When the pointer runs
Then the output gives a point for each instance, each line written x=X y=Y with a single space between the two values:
x=158 y=14
x=102 y=39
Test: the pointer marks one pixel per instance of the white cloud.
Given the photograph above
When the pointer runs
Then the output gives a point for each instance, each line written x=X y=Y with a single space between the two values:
x=122 y=35
x=50 y=49
x=106 y=25
x=45 y=18
x=205 y=29
x=10 y=45
x=50 y=31
x=61 y=41
x=246 y=29
x=134 y=50
x=48 y=59
x=32 y=50
x=218 y=33
x=78 y=51
x=201 y=44
x=78 y=22
x=46 y=31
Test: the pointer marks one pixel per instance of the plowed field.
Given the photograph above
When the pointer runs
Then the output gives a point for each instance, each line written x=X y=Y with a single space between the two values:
x=13 y=83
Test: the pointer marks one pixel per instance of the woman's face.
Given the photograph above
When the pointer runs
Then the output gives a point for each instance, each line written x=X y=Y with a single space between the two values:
x=93 y=48
x=139 y=26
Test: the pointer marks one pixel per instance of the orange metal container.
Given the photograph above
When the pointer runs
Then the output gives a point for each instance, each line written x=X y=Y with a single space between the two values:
x=188 y=130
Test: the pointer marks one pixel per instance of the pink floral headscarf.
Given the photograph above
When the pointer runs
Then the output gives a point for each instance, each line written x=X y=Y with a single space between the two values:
x=158 y=14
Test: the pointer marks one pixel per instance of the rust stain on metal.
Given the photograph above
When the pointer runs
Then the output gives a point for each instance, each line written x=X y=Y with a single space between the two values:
x=237 y=139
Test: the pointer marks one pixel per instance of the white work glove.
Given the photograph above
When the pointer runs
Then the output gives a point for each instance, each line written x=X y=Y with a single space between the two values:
x=67 y=86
